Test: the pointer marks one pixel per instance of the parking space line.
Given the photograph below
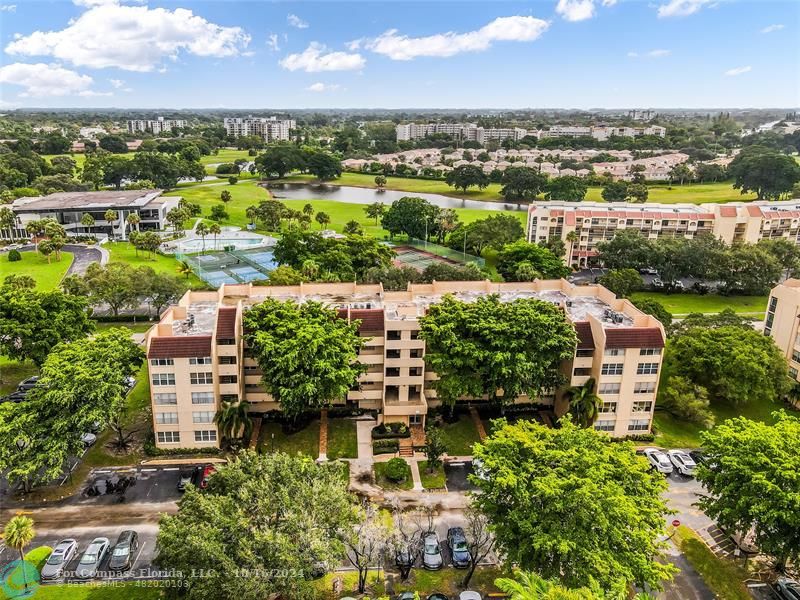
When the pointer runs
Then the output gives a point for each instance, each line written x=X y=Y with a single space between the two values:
x=135 y=560
x=149 y=470
x=170 y=469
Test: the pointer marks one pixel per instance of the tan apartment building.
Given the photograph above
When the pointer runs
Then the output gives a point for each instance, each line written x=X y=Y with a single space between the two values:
x=782 y=322
x=595 y=222
x=197 y=356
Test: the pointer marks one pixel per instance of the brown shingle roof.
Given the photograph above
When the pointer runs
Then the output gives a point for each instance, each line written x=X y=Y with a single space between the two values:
x=634 y=337
x=185 y=346
x=226 y=322
x=371 y=318
x=585 y=338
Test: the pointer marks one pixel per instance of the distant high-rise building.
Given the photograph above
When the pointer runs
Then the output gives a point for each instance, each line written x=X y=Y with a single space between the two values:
x=271 y=130
x=155 y=126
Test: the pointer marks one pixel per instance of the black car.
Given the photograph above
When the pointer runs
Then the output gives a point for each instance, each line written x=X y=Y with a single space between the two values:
x=187 y=476
x=15 y=397
x=699 y=457
x=124 y=551
x=459 y=551
x=28 y=384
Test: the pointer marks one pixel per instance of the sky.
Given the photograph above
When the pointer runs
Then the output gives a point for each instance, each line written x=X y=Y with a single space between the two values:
x=399 y=54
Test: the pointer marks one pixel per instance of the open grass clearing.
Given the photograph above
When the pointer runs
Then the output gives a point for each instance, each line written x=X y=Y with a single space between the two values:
x=47 y=274
x=683 y=304
x=124 y=252
x=431 y=480
x=460 y=436
x=342 y=441
x=274 y=439
x=142 y=590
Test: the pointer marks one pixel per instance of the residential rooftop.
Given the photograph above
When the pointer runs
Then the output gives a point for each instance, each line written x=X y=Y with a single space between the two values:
x=102 y=200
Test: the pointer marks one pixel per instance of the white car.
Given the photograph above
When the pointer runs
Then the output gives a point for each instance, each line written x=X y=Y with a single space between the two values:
x=682 y=462
x=88 y=439
x=469 y=595
x=659 y=461
x=89 y=564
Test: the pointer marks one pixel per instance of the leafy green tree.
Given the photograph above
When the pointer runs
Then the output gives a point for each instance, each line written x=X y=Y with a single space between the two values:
x=467 y=176
x=628 y=249
x=17 y=534
x=255 y=514
x=584 y=403
x=412 y=216
x=82 y=382
x=376 y=210
x=680 y=173
x=160 y=289
x=8 y=220
x=308 y=355
x=286 y=275
x=784 y=251
x=353 y=228
x=753 y=482
x=492 y=232
x=366 y=541
x=19 y=281
x=568 y=188
x=225 y=196
x=278 y=160
x=623 y=282
x=527 y=585
x=495 y=349
x=322 y=218
x=638 y=192
x=175 y=217
x=749 y=269
x=116 y=284
x=705 y=172
x=439 y=271
x=654 y=308
x=87 y=221
x=736 y=365
x=685 y=401
x=323 y=165
x=615 y=191
x=769 y=174
x=435 y=447
x=544 y=264
x=522 y=183
x=114 y=143
x=218 y=213
x=33 y=322
x=393 y=278
x=380 y=181
x=573 y=504
x=270 y=213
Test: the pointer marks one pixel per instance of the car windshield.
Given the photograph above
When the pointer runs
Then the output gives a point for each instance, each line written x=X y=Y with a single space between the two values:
x=459 y=546
x=121 y=551
x=55 y=559
x=431 y=547
x=662 y=458
x=88 y=559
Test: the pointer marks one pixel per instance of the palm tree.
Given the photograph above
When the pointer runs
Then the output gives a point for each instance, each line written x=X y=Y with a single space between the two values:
x=233 y=420
x=572 y=237
x=184 y=268
x=214 y=229
x=202 y=231
x=584 y=404
x=251 y=212
x=17 y=534
x=87 y=221
x=133 y=219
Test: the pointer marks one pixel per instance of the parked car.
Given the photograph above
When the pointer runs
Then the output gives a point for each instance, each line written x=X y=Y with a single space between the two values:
x=406 y=596
x=130 y=383
x=15 y=397
x=431 y=553
x=187 y=476
x=459 y=552
x=124 y=551
x=699 y=457
x=59 y=559
x=746 y=542
x=469 y=595
x=91 y=559
x=208 y=471
x=437 y=596
x=657 y=283
x=677 y=284
x=788 y=589
x=658 y=460
x=648 y=271
x=28 y=384
x=88 y=439
x=682 y=462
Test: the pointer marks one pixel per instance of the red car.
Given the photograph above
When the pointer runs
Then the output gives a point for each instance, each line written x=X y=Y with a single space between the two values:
x=208 y=471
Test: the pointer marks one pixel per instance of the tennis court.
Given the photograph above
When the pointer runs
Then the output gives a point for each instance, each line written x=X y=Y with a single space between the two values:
x=231 y=266
x=418 y=259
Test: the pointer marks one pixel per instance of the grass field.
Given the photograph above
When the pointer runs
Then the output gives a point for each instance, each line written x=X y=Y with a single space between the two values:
x=460 y=436
x=695 y=193
x=683 y=304
x=342 y=442
x=388 y=484
x=305 y=441
x=124 y=252
x=95 y=591
x=244 y=194
x=225 y=155
x=431 y=480
x=12 y=372
x=47 y=275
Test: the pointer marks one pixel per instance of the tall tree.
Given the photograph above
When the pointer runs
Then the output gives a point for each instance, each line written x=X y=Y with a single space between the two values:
x=522 y=183
x=376 y=210
x=543 y=263
x=494 y=231
x=366 y=541
x=233 y=420
x=323 y=165
x=495 y=349
x=623 y=282
x=467 y=176
x=769 y=174
x=584 y=403
x=412 y=216
x=544 y=491
x=322 y=218
x=307 y=354
x=615 y=191
x=278 y=160
x=17 y=534
x=117 y=284
x=569 y=188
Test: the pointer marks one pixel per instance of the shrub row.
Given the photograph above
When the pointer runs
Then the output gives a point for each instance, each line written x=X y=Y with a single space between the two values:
x=150 y=449
x=385 y=446
x=392 y=430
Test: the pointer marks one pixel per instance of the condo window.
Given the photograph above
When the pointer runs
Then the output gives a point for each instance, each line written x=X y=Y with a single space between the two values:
x=165 y=398
x=200 y=360
x=614 y=352
x=643 y=406
x=201 y=378
x=415 y=335
x=415 y=371
x=161 y=362
x=227 y=360
x=415 y=419
x=203 y=416
x=584 y=353
x=639 y=425
x=611 y=369
x=608 y=407
x=166 y=418
x=229 y=397
x=226 y=342
x=393 y=353
x=392 y=372
x=793 y=372
x=644 y=387
x=649 y=351
x=228 y=379
x=604 y=425
x=205 y=435
x=393 y=335
x=609 y=388
x=163 y=378
x=416 y=353
x=647 y=369
x=796 y=356
x=202 y=397
x=168 y=437
x=252 y=387
x=582 y=372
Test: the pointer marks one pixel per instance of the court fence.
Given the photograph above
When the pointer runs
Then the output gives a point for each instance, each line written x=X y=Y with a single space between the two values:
x=445 y=252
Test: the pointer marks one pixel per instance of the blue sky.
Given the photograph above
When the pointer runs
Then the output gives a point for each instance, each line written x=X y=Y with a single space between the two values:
x=393 y=54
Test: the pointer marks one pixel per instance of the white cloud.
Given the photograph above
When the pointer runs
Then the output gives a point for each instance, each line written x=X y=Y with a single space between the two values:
x=134 y=38
x=772 y=28
x=272 y=42
x=8 y=8
x=116 y=83
x=41 y=80
x=502 y=29
x=323 y=87
x=92 y=93
x=738 y=71
x=658 y=53
x=682 y=8
x=575 y=10
x=316 y=58
x=296 y=21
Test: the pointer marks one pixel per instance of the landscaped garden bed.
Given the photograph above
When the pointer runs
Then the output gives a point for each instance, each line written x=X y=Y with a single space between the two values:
x=431 y=480
x=394 y=474
x=390 y=430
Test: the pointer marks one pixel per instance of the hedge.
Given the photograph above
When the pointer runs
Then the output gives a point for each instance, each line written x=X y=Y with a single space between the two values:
x=385 y=446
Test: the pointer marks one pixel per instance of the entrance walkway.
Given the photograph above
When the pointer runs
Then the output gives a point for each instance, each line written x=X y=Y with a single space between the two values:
x=364 y=439
x=476 y=419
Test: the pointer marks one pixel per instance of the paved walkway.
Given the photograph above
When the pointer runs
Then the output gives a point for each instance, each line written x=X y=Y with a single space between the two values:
x=476 y=419
x=364 y=440
x=323 y=435
x=415 y=475
x=82 y=256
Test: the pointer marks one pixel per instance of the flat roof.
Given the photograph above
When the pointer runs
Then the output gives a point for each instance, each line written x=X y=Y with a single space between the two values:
x=101 y=200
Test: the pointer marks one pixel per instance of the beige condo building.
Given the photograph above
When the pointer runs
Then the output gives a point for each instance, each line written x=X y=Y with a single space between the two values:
x=782 y=322
x=595 y=222
x=198 y=359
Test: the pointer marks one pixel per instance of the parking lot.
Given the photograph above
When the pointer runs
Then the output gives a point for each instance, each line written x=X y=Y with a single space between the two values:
x=152 y=484
x=456 y=473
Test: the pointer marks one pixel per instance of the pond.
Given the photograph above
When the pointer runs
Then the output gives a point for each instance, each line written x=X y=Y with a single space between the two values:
x=357 y=195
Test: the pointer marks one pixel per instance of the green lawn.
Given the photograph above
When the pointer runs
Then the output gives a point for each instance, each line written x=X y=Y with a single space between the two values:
x=47 y=275
x=434 y=480
x=694 y=193
x=305 y=441
x=386 y=483
x=448 y=581
x=342 y=442
x=460 y=436
x=225 y=155
x=96 y=591
x=722 y=576
x=12 y=372
x=125 y=252
x=244 y=194
x=683 y=304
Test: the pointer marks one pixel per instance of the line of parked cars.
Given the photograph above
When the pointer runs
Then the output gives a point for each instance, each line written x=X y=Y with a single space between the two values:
x=684 y=463
x=121 y=557
x=197 y=476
